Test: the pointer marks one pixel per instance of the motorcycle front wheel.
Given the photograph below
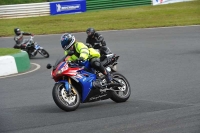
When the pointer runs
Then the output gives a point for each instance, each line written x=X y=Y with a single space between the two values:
x=123 y=93
x=44 y=53
x=64 y=100
x=114 y=68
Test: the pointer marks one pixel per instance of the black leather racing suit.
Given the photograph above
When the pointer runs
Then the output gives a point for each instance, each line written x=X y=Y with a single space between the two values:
x=98 y=38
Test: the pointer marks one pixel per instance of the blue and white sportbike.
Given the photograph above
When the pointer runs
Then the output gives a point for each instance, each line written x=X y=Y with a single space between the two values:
x=32 y=48
x=75 y=84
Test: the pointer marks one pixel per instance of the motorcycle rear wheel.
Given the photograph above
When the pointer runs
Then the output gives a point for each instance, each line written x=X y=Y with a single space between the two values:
x=30 y=55
x=124 y=92
x=66 y=102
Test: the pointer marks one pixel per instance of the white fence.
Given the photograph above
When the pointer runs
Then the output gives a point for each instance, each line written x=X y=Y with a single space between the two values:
x=24 y=10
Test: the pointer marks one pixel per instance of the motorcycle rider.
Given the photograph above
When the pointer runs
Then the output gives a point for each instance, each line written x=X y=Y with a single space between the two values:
x=20 y=41
x=83 y=53
x=94 y=37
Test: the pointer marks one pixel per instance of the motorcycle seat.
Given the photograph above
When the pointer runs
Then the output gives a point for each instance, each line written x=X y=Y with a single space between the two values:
x=107 y=59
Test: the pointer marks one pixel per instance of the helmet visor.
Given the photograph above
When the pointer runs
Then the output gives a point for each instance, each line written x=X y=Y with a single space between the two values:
x=17 y=31
x=89 y=33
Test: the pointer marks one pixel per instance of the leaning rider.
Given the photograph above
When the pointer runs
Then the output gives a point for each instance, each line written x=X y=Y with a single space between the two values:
x=20 y=41
x=82 y=53
x=95 y=37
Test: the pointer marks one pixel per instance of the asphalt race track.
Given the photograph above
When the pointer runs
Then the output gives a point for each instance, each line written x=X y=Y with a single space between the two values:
x=162 y=66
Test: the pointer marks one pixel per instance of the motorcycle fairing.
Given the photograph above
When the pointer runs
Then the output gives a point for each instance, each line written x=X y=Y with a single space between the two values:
x=96 y=95
x=68 y=71
x=37 y=47
x=89 y=93
x=85 y=79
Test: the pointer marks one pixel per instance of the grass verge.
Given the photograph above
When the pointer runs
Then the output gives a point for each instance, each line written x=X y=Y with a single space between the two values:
x=8 y=51
x=177 y=14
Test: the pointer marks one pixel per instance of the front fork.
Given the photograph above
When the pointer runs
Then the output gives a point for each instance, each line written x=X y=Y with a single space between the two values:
x=68 y=86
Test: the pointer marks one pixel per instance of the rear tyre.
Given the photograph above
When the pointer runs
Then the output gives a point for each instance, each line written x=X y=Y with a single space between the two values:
x=64 y=100
x=29 y=54
x=124 y=92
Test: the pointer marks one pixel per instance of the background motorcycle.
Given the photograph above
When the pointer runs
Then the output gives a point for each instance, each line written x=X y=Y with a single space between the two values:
x=107 y=57
x=77 y=84
x=36 y=48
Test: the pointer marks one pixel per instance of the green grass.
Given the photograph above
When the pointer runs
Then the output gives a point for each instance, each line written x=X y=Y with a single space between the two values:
x=177 y=14
x=8 y=51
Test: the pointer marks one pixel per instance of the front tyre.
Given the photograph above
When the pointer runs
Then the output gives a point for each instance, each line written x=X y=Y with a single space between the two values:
x=114 y=68
x=64 y=100
x=44 y=53
x=123 y=93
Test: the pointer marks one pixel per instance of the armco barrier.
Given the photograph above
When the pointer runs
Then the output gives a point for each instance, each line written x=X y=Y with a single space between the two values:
x=105 y=4
x=16 y=63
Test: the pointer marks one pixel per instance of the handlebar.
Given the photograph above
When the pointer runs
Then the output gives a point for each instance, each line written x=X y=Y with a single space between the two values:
x=30 y=41
x=31 y=37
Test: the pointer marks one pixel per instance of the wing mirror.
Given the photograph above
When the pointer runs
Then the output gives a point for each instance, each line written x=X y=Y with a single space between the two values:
x=49 y=66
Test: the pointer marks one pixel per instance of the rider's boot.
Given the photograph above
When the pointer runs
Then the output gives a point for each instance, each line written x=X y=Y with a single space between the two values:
x=109 y=77
x=33 y=53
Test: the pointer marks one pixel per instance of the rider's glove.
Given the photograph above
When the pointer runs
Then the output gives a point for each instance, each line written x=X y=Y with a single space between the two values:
x=80 y=60
x=89 y=45
x=97 y=45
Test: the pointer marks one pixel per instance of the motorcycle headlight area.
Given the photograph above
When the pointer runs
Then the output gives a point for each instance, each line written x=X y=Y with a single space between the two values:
x=58 y=72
